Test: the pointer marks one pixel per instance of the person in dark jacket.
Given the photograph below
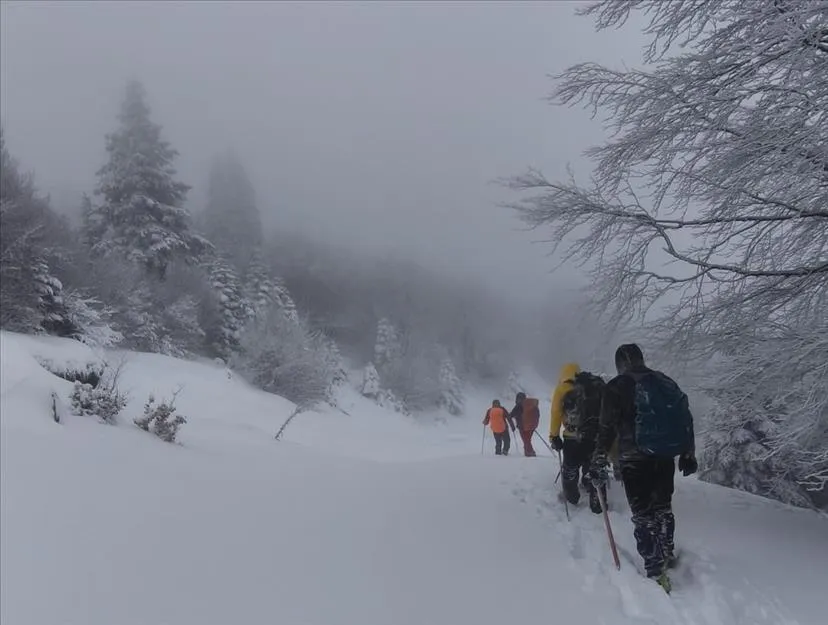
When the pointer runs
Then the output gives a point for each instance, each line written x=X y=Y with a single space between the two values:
x=648 y=479
x=526 y=415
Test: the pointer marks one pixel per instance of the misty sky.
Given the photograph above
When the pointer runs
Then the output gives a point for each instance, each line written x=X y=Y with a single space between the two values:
x=378 y=125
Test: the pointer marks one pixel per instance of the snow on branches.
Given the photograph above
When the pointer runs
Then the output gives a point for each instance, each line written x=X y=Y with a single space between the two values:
x=706 y=210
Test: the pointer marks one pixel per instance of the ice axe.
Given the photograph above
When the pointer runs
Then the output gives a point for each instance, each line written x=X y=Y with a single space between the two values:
x=563 y=492
x=602 y=497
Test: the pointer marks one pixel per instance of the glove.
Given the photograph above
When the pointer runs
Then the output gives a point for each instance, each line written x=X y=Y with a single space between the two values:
x=556 y=442
x=687 y=464
x=598 y=473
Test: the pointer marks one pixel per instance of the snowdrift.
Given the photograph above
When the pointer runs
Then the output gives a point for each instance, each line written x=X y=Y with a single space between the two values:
x=358 y=516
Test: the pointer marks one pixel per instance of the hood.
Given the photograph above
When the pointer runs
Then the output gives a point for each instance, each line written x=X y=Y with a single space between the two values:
x=568 y=372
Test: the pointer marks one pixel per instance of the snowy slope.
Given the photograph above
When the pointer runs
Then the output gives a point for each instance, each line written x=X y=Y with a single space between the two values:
x=366 y=518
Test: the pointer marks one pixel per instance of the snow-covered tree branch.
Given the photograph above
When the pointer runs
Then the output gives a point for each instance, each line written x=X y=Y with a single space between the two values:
x=707 y=209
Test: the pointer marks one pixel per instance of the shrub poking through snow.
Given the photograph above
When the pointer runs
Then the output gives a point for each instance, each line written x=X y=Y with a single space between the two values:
x=102 y=401
x=96 y=392
x=160 y=419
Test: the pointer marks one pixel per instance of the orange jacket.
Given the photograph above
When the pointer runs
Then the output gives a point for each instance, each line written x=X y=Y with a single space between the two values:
x=496 y=419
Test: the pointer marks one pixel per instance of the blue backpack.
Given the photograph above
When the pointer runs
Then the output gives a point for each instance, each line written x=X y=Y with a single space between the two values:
x=663 y=421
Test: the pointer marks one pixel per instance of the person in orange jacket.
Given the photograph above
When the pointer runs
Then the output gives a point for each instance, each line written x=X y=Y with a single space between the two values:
x=498 y=419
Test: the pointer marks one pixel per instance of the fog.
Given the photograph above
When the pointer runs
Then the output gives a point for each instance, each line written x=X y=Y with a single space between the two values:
x=380 y=126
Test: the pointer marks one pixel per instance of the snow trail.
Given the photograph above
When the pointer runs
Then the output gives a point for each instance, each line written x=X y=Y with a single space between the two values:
x=371 y=518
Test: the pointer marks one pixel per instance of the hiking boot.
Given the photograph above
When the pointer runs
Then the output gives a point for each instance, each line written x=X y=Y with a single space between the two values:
x=573 y=495
x=595 y=502
x=661 y=578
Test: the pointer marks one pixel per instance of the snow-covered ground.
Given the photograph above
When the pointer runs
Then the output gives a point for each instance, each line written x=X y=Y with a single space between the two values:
x=365 y=518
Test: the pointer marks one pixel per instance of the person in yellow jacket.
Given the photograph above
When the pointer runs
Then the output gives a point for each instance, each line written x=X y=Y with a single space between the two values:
x=573 y=429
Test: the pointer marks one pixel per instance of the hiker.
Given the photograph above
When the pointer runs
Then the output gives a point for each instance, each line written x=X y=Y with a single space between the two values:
x=576 y=406
x=651 y=417
x=526 y=415
x=498 y=419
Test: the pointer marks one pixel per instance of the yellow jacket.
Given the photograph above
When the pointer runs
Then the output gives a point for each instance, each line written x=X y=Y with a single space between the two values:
x=567 y=373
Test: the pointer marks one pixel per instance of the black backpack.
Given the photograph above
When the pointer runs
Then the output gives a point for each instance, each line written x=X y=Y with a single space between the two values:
x=582 y=403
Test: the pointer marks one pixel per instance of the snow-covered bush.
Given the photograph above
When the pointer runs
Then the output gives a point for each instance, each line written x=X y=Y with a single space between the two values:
x=161 y=419
x=409 y=363
x=282 y=356
x=103 y=401
x=91 y=320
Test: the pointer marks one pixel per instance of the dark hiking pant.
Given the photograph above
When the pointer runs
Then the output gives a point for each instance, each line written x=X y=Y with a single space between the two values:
x=648 y=483
x=502 y=443
x=577 y=456
x=526 y=437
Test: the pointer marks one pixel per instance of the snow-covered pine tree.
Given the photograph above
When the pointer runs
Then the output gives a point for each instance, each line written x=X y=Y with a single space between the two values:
x=23 y=215
x=370 y=382
x=231 y=219
x=261 y=289
x=265 y=291
x=283 y=300
x=513 y=387
x=184 y=334
x=372 y=389
x=234 y=311
x=54 y=316
x=336 y=364
x=451 y=389
x=388 y=347
x=141 y=215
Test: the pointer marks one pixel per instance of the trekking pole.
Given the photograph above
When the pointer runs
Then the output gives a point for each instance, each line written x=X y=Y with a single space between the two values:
x=483 y=442
x=563 y=492
x=603 y=500
x=545 y=444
